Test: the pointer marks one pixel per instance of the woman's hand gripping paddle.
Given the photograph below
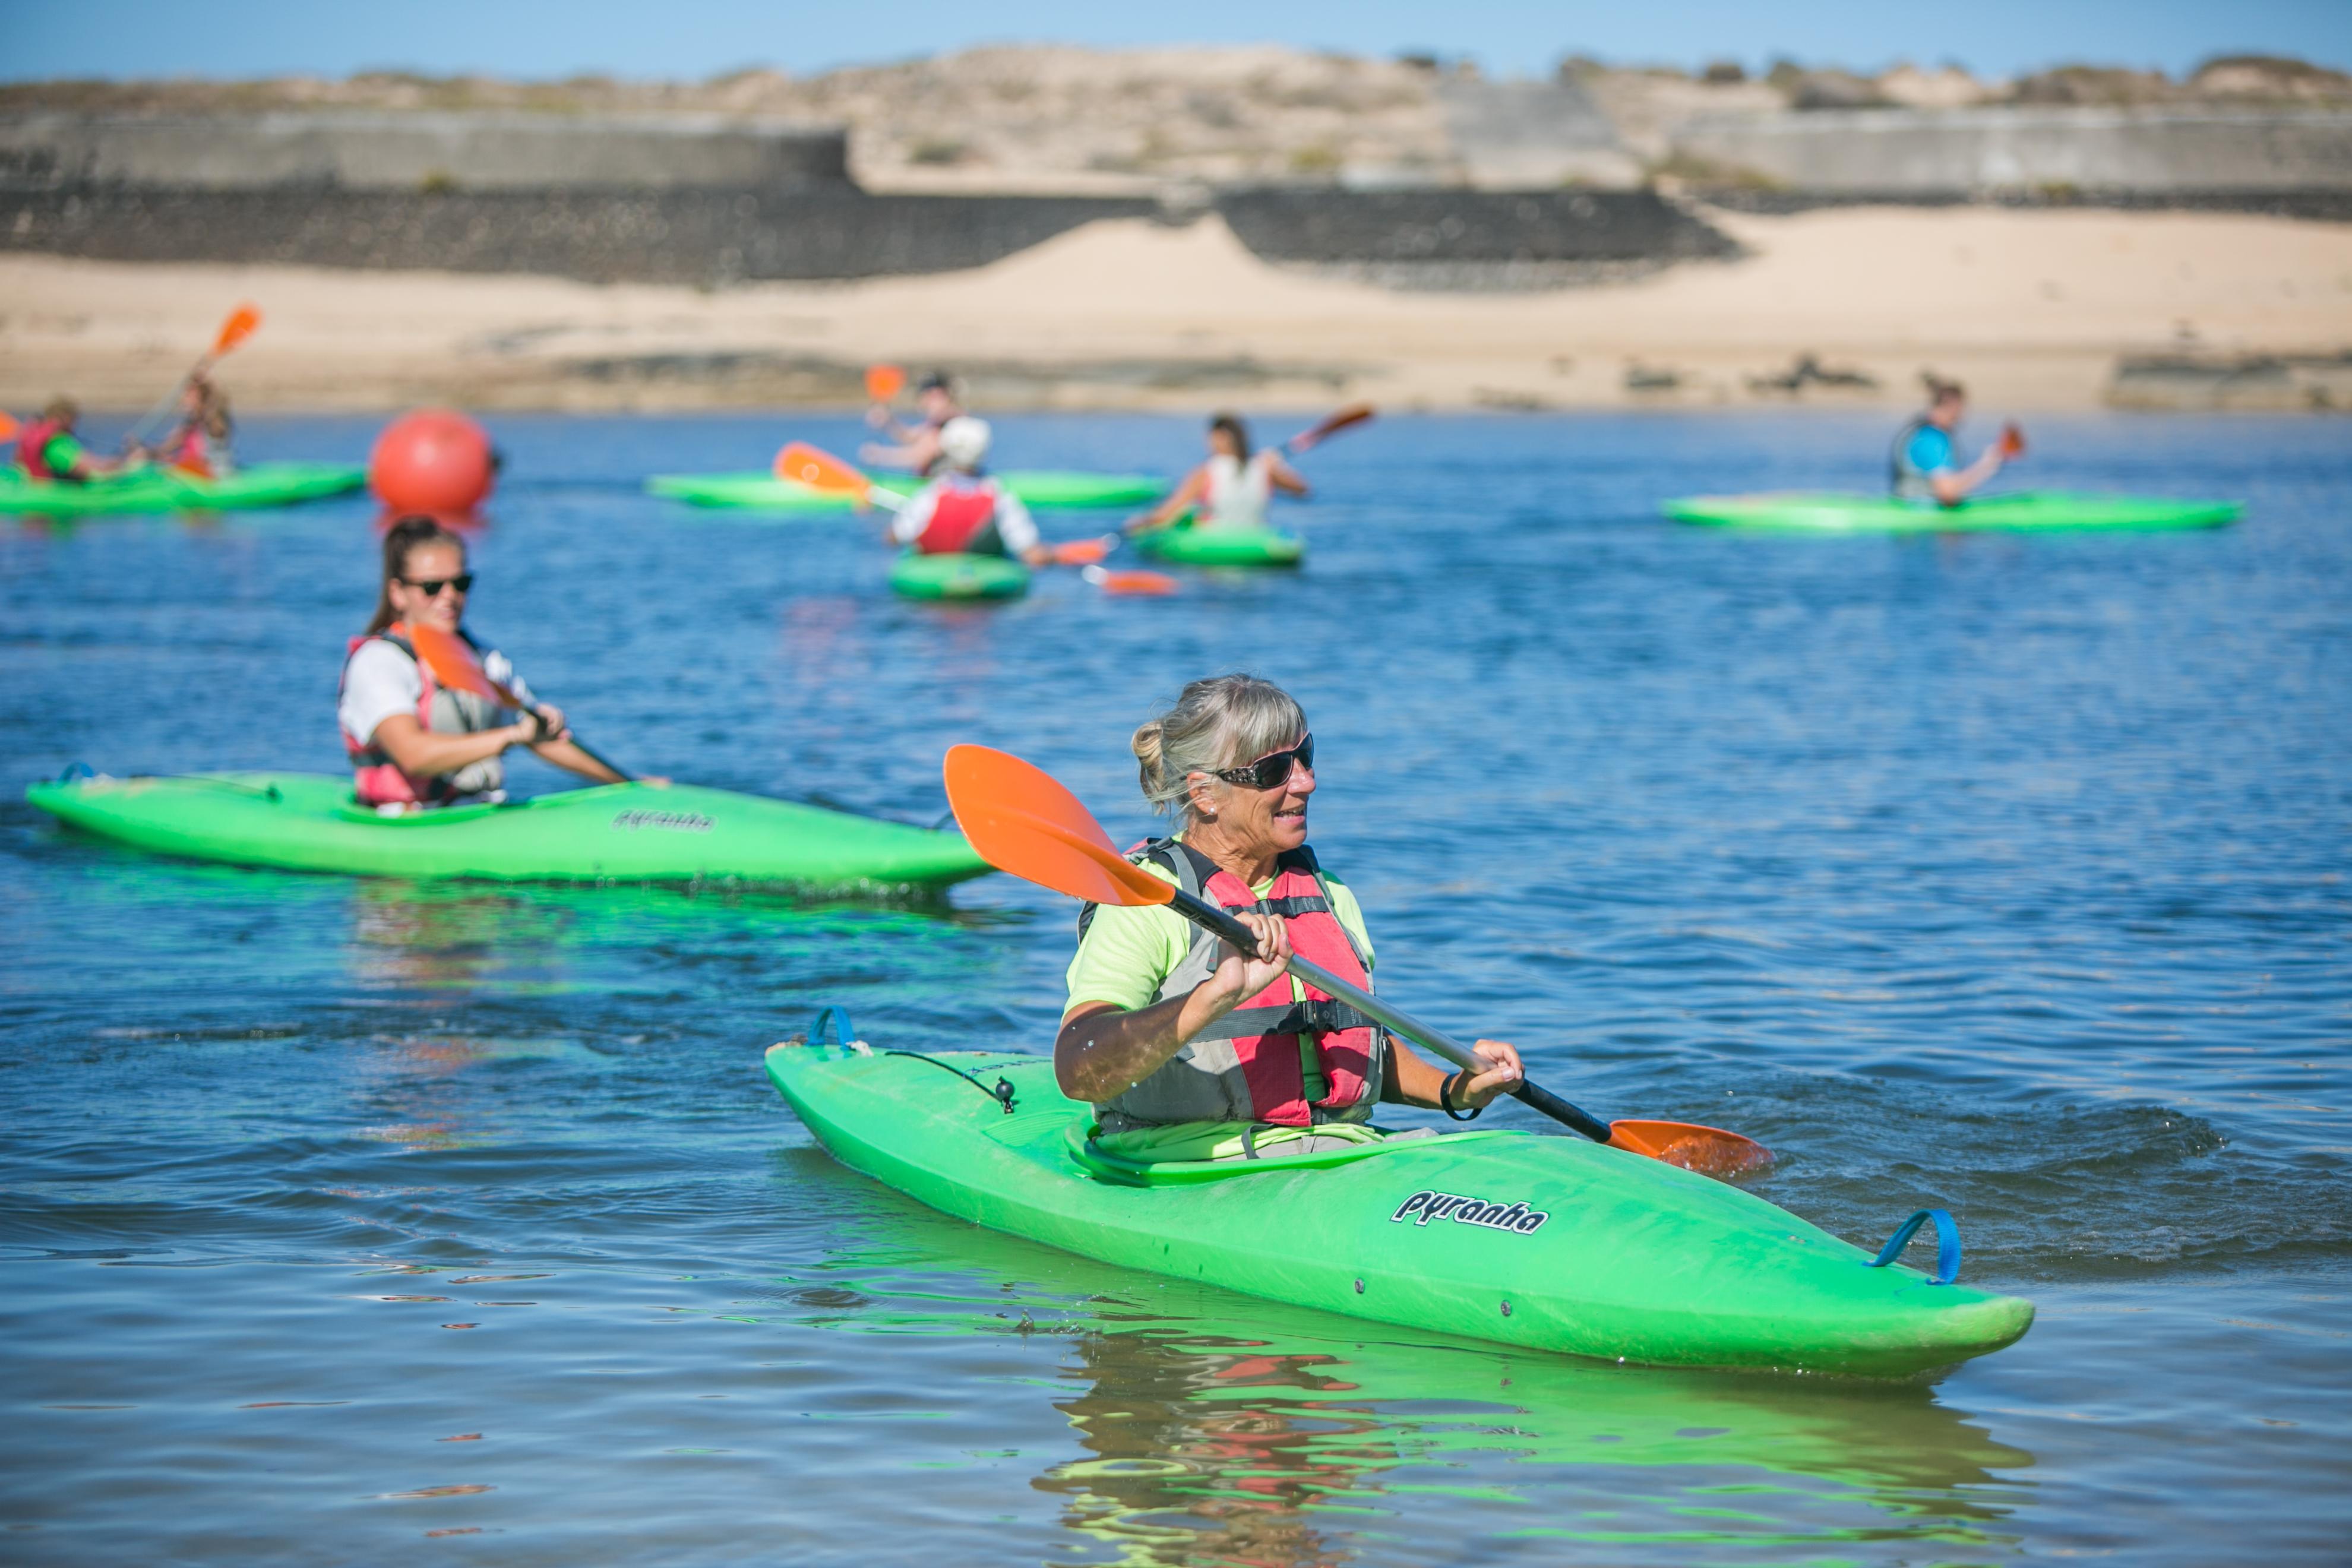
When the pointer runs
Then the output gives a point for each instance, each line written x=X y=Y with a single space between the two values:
x=238 y=327
x=1021 y=821
x=455 y=665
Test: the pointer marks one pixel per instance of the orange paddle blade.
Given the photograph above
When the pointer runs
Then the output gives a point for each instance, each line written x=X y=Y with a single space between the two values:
x=1022 y=822
x=2013 y=441
x=1083 y=551
x=1354 y=414
x=453 y=662
x=806 y=465
x=1152 y=583
x=7 y=426
x=236 y=329
x=1709 y=1151
x=884 y=382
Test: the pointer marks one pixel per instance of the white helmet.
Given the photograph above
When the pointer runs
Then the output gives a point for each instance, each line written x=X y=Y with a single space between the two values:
x=964 y=441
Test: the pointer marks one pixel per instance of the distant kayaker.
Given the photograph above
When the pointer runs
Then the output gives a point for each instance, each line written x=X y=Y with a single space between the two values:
x=199 y=443
x=1924 y=465
x=1232 y=487
x=413 y=742
x=1188 y=1050
x=964 y=512
x=918 y=444
x=48 y=447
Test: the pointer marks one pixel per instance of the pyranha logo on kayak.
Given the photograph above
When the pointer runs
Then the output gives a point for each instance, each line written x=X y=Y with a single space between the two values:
x=676 y=821
x=1425 y=1206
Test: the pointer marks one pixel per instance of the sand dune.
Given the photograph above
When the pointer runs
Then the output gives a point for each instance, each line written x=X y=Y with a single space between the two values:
x=2032 y=306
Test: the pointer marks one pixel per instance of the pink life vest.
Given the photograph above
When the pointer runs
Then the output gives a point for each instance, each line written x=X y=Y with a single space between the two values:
x=376 y=779
x=1253 y=1050
x=32 y=447
x=962 y=511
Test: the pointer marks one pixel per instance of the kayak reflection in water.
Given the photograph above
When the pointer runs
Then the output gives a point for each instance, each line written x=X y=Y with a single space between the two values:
x=1232 y=487
x=1925 y=466
x=1187 y=1050
x=415 y=742
x=965 y=513
x=918 y=448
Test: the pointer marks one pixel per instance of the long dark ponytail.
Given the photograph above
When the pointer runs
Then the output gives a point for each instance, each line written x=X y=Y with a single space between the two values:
x=1231 y=424
x=408 y=534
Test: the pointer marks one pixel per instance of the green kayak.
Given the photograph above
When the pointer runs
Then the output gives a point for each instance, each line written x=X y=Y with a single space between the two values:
x=958 y=576
x=1550 y=1243
x=161 y=490
x=611 y=832
x=1050 y=488
x=1185 y=544
x=2027 y=511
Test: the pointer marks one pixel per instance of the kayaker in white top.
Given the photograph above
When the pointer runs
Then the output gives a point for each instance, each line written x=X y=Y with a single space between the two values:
x=1187 y=1050
x=1232 y=487
x=414 y=743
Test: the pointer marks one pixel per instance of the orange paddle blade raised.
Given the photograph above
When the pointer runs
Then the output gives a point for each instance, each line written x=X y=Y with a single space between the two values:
x=453 y=661
x=1024 y=823
x=819 y=469
x=236 y=329
x=7 y=426
x=1709 y=1151
x=884 y=382
x=1354 y=414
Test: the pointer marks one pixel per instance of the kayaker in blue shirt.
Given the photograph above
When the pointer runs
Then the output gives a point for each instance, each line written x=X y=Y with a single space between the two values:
x=1187 y=1050
x=1925 y=464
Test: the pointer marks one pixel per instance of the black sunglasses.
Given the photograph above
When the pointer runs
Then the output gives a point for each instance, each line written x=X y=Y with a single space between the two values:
x=1273 y=770
x=431 y=587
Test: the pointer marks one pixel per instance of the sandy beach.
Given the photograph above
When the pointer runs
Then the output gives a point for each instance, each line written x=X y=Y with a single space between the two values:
x=2033 y=308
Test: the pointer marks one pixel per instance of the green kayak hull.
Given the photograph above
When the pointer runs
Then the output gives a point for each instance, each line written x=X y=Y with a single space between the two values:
x=1188 y=546
x=958 y=577
x=2026 y=512
x=611 y=832
x=1609 y=1255
x=157 y=490
x=1050 y=488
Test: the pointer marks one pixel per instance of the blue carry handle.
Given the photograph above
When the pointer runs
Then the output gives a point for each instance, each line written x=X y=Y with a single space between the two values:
x=839 y=1018
x=1947 y=1245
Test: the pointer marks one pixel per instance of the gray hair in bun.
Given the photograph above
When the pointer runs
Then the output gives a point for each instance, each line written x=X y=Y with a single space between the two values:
x=1220 y=722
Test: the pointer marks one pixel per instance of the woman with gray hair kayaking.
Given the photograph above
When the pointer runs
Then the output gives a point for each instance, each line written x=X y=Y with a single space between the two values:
x=1189 y=1050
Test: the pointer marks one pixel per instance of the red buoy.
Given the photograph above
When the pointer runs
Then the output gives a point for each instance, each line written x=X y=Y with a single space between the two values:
x=432 y=460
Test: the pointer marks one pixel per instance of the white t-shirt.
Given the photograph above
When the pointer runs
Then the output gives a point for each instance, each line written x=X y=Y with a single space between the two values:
x=379 y=680
x=1236 y=493
x=1014 y=526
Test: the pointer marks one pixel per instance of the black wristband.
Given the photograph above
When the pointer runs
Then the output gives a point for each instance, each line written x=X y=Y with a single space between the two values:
x=1446 y=1100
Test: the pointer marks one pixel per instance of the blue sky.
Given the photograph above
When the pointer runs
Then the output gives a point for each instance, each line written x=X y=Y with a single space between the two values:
x=541 y=38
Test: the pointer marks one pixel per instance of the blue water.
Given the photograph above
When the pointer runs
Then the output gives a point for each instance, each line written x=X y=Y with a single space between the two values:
x=342 y=1220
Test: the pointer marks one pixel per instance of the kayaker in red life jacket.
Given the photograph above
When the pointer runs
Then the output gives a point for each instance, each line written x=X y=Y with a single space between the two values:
x=47 y=448
x=918 y=444
x=1232 y=487
x=414 y=743
x=963 y=511
x=1186 y=1049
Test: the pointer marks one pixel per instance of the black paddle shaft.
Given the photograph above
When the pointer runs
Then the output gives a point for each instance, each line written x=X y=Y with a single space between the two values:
x=585 y=749
x=1217 y=922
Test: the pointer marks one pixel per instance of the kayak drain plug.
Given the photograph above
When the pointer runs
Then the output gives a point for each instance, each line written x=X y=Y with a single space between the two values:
x=1359 y=1287
x=1506 y=1309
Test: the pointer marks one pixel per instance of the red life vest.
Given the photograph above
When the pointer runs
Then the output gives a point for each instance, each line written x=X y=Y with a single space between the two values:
x=1262 y=1037
x=32 y=447
x=962 y=511
x=376 y=779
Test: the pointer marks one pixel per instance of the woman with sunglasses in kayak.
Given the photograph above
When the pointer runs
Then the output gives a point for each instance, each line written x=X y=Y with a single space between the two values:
x=1187 y=1050
x=413 y=742
x=1233 y=489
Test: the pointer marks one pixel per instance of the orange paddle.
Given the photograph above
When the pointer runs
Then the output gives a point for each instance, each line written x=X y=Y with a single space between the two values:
x=1022 y=821
x=821 y=470
x=884 y=382
x=1084 y=552
x=2012 y=442
x=1354 y=414
x=238 y=326
x=454 y=664
x=1156 y=584
x=8 y=425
